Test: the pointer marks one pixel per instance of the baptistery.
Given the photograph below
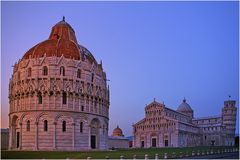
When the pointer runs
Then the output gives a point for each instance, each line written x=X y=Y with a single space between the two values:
x=58 y=96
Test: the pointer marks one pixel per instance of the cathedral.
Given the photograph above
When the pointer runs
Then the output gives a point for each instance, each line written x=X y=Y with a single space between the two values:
x=165 y=127
x=58 y=96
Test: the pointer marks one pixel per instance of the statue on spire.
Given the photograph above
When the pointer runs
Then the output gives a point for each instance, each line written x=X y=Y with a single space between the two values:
x=63 y=19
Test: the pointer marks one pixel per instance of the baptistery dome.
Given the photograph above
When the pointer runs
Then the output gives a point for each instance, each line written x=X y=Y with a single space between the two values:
x=58 y=95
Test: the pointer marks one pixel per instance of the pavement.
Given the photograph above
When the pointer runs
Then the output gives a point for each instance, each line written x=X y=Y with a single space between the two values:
x=231 y=155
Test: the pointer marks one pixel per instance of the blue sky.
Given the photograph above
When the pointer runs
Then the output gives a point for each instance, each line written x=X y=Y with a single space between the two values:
x=162 y=50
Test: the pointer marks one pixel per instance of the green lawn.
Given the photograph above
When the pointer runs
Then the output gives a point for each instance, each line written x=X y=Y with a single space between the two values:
x=127 y=153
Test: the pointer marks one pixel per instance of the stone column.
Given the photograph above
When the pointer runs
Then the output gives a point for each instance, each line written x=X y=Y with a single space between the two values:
x=54 y=136
x=73 y=136
x=49 y=100
x=68 y=98
x=93 y=105
x=10 y=137
x=73 y=97
x=36 y=136
x=54 y=94
x=25 y=102
x=29 y=101
x=99 y=107
x=19 y=106
x=61 y=101
x=85 y=103
x=36 y=101
x=20 y=138
x=79 y=104
x=89 y=135
x=170 y=139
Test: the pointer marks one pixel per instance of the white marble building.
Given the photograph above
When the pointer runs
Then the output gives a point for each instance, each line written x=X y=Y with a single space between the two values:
x=58 y=95
x=164 y=127
x=117 y=139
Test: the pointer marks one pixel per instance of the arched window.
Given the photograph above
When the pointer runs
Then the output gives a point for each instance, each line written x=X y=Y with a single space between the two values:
x=45 y=70
x=78 y=73
x=28 y=126
x=39 y=98
x=64 y=126
x=92 y=77
x=29 y=73
x=45 y=125
x=18 y=75
x=64 y=98
x=81 y=127
x=62 y=71
x=82 y=108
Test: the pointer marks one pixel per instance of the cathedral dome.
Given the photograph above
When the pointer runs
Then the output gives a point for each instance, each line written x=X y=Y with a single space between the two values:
x=117 y=132
x=184 y=107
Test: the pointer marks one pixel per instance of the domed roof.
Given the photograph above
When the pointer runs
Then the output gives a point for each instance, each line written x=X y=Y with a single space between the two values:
x=184 y=107
x=117 y=132
x=61 y=42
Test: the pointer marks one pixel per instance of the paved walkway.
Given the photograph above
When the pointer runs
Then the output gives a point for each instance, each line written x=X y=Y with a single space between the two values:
x=232 y=155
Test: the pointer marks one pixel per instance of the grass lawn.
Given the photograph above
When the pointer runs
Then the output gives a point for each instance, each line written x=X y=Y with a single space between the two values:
x=127 y=153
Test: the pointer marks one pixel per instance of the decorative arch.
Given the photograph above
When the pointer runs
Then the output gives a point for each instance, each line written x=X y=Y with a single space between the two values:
x=95 y=126
x=14 y=120
x=42 y=88
x=54 y=86
x=68 y=87
x=39 y=116
x=45 y=71
x=21 y=88
x=61 y=116
x=64 y=127
x=62 y=71
x=61 y=61
x=14 y=132
x=29 y=72
x=22 y=116
x=79 y=72
x=45 y=130
x=154 y=139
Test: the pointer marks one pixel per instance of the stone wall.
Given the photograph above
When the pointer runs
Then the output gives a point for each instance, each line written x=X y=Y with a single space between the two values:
x=118 y=142
x=4 y=139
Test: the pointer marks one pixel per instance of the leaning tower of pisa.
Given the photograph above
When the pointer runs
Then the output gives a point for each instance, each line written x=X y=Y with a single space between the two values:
x=229 y=112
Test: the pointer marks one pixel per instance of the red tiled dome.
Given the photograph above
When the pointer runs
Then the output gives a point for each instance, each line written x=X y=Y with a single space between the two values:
x=62 y=41
x=117 y=132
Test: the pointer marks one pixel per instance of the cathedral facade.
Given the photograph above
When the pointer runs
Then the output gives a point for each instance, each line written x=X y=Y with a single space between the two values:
x=165 y=127
x=59 y=97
